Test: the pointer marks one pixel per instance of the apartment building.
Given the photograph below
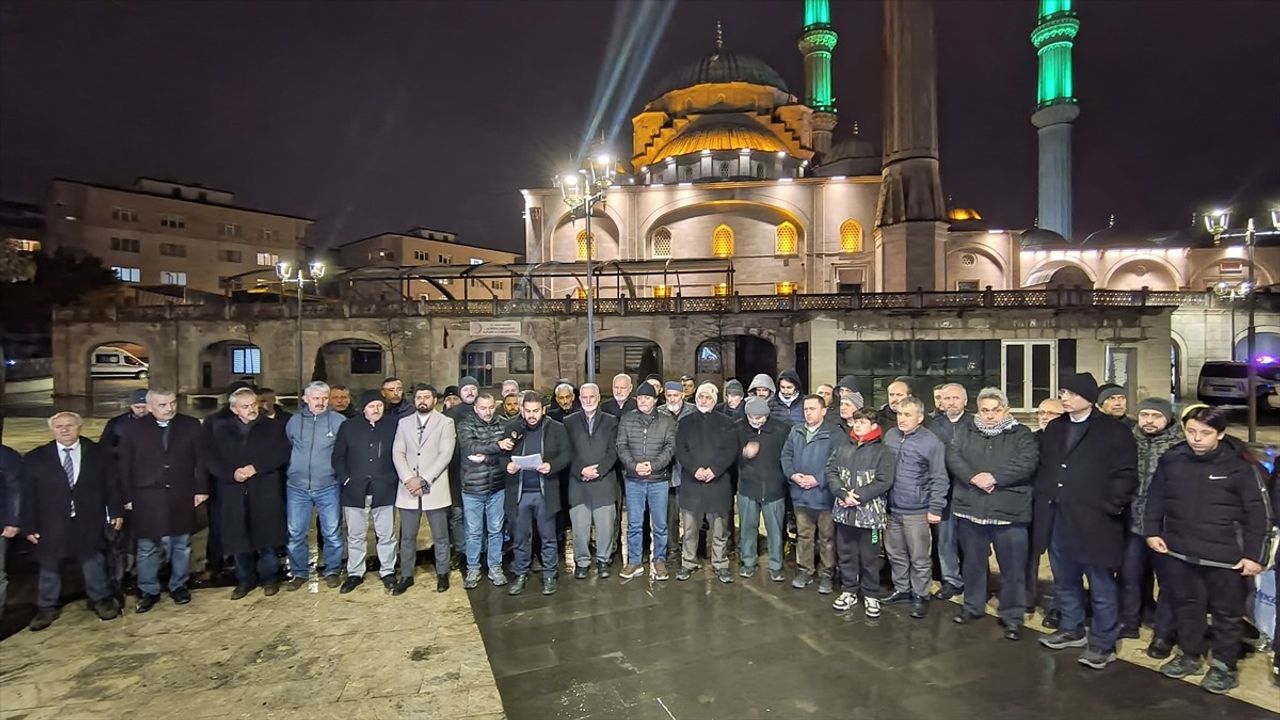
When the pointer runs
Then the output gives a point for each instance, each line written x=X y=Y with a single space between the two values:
x=157 y=232
x=423 y=246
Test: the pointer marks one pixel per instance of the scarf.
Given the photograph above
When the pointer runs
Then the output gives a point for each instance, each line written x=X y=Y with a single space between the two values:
x=996 y=429
x=869 y=437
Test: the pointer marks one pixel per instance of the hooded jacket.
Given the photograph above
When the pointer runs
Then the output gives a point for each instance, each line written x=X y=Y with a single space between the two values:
x=792 y=413
x=1150 y=449
x=762 y=381
x=312 y=437
x=808 y=456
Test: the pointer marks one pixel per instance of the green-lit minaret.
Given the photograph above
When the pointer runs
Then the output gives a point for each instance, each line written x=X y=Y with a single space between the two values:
x=816 y=43
x=1056 y=108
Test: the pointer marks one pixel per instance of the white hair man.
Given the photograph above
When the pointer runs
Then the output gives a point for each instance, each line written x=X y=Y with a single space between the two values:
x=313 y=483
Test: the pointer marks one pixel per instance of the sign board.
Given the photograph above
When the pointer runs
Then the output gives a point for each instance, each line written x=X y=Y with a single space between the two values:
x=500 y=360
x=496 y=328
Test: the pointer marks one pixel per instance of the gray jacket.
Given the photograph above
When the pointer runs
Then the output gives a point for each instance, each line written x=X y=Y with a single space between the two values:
x=312 y=438
x=920 y=480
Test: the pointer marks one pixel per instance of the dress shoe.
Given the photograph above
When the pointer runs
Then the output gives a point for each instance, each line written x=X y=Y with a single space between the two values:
x=1159 y=649
x=946 y=592
x=901 y=597
x=351 y=583
x=271 y=588
x=107 y=610
x=389 y=582
x=1013 y=633
x=332 y=581
x=241 y=590
x=580 y=572
x=44 y=618
x=919 y=608
x=145 y=603
x=1128 y=633
x=442 y=582
x=295 y=583
x=517 y=586
x=964 y=617
x=181 y=596
x=1053 y=619
x=603 y=570
x=402 y=586
x=549 y=585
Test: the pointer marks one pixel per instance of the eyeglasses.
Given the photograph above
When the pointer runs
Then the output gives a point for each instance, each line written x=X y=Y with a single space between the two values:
x=1048 y=413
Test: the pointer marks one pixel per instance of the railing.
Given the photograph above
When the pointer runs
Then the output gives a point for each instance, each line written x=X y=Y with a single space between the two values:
x=1053 y=298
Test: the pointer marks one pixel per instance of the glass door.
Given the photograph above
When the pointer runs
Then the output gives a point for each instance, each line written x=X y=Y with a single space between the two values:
x=1029 y=372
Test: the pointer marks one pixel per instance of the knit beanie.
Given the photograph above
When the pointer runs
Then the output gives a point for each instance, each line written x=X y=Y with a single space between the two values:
x=757 y=406
x=1081 y=384
x=733 y=387
x=1106 y=390
x=1160 y=405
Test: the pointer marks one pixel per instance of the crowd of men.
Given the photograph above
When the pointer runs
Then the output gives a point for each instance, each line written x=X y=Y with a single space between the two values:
x=694 y=469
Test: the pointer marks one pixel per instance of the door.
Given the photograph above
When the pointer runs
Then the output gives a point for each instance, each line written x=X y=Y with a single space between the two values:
x=802 y=366
x=1029 y=372
x=479 y=365
x=1122 y=369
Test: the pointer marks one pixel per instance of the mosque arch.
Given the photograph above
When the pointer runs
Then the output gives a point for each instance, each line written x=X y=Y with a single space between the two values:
x=722 y=241
x=1143 y=270
x=660 y=243
x=586 y=245
x=850 y=236
x=977 y=263
x=1044 y=272
x=709 y=211
x=786 y=240
x=1212 y=272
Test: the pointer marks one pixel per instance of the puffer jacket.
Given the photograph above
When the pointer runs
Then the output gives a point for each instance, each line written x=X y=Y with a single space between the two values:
x=1011 y=457
x=1210 y=509
x=477 y=437
x=792 y=414
x=863 y=467
x=647 y=437
x=920 y=472
x=800 y=454
x=1150 y=449
x=312 y=437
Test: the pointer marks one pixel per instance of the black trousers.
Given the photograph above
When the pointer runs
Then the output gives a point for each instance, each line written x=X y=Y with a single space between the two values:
x=859 y=558
x=1219 y=592
x=1010 y=543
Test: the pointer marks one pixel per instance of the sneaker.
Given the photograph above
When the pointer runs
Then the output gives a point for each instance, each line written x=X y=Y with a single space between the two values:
x=776 y=576
x=602 y=570
x=947 y=591
x=871 y=607
x=660 y=570
x=747 y=571
x=1159 y=649
x=844 y=601
x=1096 y=659
x=107 y=609
x=580 y=572
x=724 y=576
x=825 y=586
x=517 y=587
x=803 y=580
x=683 y=573
x=181 y=596
x=1182 y=666
x=630 y=571
x=389 y=582
x=145 y=603
x=472 y=579
x=1065 y=639
x=900 y=597
x=1220 y=679
x=498 y=578
x=1053 y=619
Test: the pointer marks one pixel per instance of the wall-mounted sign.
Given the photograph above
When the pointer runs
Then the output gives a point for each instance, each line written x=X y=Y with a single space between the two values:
x=498 y=328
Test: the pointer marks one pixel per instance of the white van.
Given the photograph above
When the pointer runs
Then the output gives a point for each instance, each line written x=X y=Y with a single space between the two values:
x=110 y=362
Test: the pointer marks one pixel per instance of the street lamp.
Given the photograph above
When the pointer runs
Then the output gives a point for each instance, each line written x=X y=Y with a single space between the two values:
x=287 y=275
x=581 y=190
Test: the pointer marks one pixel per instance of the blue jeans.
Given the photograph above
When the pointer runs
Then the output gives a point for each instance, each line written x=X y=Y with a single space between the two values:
x=257 y=567
x=639 y=495
x=949 y=551
x=1104 y=594
x=483 y=513
x=531 y=510
x=326 y=502
x=749 y=512
x=149 y=552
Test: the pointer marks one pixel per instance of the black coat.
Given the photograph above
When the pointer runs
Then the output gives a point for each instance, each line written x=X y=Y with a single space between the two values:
x=113 y=432
x=1210 y=507
x=252 y=512
x=555 y=412
x=761 y=478
x=477 y=437
x=706 y=440
x=162 y=483
x=1086 y=488
x=595 y=447
x=47 y=498
x=611 y=406
x=555 y=452
x=1011 y=457
x=10 y=487
x=362 y=462
x=457 y=414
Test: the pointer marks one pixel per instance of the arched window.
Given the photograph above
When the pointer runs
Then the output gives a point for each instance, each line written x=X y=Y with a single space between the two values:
x=850 y=236
x=724 y=171
x=786 y=242
x=586 y=244
x=662 y=243
x=759 y=171
x=722 y=241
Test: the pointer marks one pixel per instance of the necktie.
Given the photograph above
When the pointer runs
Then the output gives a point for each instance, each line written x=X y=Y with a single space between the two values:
x=69 y=468
x=164 y=435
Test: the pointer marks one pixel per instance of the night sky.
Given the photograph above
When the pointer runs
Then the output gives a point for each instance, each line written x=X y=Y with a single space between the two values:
x=374 y=116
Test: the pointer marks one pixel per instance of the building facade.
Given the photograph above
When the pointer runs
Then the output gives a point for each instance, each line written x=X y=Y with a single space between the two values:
x=413 y=249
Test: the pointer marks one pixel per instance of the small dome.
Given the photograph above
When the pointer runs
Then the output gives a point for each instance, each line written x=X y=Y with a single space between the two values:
x=722 y=136
x=1112 y=238
x=851 y=148
x=1036 y=238
x=722 y=66
x=959 y=214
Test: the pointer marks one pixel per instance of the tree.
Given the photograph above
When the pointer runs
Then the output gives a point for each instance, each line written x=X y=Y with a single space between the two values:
x=15 y=265
x=63 y=278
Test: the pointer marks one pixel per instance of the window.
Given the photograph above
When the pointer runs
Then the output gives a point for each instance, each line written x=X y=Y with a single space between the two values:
x=707 y=360
x=785 y=240
x=759 y=171
x=173 y=250
x=24 y=245
x=446 y=259
x=785 y=288
x=268 y=259
x=586 y=245
x=246 y=360
x=967 y=286
x=173 y=221
x=230 y=230
x=422 y=255
x=724 y=171
x=389 y=254
x=130 y=245
x=722 y=241
x=267 y=235
x=127 y=274
x=662 y=243
x=498 y=285
x=850 y=236
x=231 y=256
x=366 y=360
x=520 y=358
x=172 y=278
x=122 y=214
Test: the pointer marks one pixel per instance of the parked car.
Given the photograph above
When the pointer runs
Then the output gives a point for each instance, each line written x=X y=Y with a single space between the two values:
x=112 y=362
x=1224 y=382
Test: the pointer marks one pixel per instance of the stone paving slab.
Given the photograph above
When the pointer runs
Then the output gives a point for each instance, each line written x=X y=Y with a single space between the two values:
x=313 y=655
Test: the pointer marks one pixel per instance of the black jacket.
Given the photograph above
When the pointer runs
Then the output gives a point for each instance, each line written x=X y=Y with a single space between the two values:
x=47 y=500
x=1210 y=507
x=761 y=478
x=599 y=446
x=611 y=406
x=10 y=487
x=731 y=412
x=1011 y=457
x=555 y=451
x=362 y=461
x=161 y=480
x=477 y=437
x=557 y=413
x=1086 y=488
x=113 y=432
x=865 y=468
x=647 y=438
x=705 y=440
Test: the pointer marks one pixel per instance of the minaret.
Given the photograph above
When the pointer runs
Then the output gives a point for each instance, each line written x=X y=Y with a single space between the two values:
x=816 y=43
x=1056 y=108
x=911 y=217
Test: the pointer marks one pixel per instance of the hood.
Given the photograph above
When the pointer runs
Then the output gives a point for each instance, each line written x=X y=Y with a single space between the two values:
x=793 y=377
x=763 y=381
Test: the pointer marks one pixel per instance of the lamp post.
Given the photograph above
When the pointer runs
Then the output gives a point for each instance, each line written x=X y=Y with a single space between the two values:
x=310 y=274
x=1218 y=223
x=581 y=190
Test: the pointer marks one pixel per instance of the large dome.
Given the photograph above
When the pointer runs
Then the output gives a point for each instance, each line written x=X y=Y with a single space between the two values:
x=722 y=66
x=722 y=136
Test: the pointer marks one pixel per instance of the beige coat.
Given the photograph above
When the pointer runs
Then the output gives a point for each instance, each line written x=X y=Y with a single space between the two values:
x=427 y=458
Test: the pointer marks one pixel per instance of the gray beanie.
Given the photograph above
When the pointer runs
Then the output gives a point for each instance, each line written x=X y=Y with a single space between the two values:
x=757 y=406
x=733 y=387
x=467 y=380
x=1160 y=405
